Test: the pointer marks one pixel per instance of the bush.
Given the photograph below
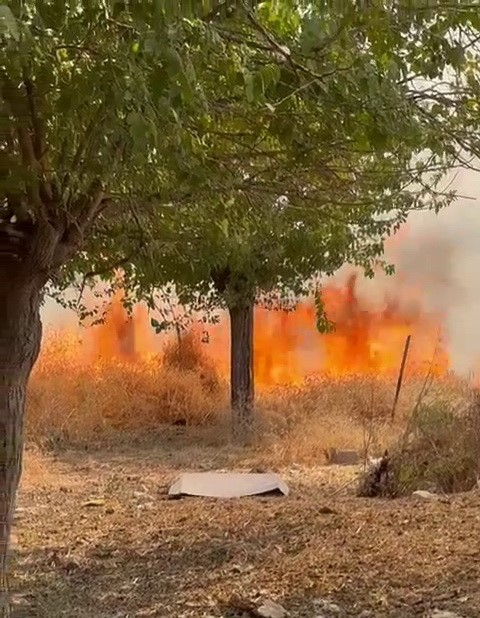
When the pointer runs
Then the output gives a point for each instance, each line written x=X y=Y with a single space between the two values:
x=74 y=399
x=439 y=451
x=187 y=354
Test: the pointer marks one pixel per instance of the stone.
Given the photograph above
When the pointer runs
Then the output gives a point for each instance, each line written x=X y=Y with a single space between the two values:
x=342 y=458
x=429 y=496
x=443 y=613
x=270 y=609
x=425 y=495
x=326 y=608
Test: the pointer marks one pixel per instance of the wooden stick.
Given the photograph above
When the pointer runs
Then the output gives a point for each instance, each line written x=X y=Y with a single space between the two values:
x=400 y=375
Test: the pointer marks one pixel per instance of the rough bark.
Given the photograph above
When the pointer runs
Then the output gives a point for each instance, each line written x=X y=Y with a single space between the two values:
x=20 y=337
x=241 y=370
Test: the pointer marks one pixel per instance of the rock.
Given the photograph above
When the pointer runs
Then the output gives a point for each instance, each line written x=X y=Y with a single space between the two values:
x=425 y=495
x=443 y=613
x=429 y=496
x=342 y=458
x=326 y=608
x=270 y=609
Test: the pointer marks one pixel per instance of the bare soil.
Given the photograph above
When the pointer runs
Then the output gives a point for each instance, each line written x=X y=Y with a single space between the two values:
x=97 y=537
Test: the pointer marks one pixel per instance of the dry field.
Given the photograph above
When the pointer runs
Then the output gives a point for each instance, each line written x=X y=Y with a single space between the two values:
x=77 y=401
x=97 y=536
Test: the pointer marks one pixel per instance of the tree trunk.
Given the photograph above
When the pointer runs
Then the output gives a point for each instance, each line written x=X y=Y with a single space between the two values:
x=241 y=371
x=20 y=337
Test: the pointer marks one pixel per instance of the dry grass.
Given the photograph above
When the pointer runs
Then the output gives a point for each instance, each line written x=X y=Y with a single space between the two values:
x=439 y=449
x=138 y=554
x=74 y=401
x=37 y=469
x=133 y=552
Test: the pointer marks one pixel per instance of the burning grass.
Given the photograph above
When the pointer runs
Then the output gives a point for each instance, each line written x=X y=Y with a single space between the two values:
x=74 y=400
x=314 y=391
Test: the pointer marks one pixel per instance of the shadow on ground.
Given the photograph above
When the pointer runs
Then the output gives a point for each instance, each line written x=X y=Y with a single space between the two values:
x=137 y=554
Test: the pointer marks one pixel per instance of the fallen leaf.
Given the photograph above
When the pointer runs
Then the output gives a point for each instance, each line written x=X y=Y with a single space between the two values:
x=270 y=609
x=94 y=502
x=326 y=510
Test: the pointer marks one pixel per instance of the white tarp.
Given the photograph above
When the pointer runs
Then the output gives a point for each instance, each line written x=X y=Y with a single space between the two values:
x=227 y=484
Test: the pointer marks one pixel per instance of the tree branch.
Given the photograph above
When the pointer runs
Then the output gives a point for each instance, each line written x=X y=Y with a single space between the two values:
x=91 y=205
x=284 y=52
x=17 y=100
x=38 y=139
x=108 y=268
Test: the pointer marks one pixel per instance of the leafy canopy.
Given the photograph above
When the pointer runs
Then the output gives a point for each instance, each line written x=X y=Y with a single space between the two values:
x=241 y=145
x=324 y=128
x=88 y=97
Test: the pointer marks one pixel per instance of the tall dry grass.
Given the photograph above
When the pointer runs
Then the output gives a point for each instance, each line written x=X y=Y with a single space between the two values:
x=77 y=400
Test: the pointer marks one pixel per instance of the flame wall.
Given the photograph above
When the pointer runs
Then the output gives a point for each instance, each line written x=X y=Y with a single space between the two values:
x=434 y=296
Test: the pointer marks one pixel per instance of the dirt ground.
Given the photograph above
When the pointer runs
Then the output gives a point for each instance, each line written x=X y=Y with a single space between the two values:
x=98 y=538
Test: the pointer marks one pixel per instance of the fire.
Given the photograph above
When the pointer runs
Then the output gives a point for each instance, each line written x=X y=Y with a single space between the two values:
x=372 y=341
x=368 y=338
x=122 y=335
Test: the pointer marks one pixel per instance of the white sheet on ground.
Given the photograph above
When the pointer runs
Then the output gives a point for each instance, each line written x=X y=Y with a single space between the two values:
x=227 y=484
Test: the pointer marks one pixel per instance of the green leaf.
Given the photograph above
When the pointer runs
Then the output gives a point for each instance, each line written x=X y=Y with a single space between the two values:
x=249 y=87
x=158 y=326
x=221 y=154
x=8 y=23
x=224 y=226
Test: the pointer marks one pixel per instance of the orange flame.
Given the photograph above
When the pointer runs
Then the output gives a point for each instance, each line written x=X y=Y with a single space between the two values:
x=288 y=346
x=122 y=335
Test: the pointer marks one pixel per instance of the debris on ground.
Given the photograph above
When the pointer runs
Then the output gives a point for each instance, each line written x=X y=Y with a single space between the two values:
x=377 y=479
x=334 y=456
x=270 y=609
x=261 y=609
x=327 y=510
x=94 y=502
x=228 y=485
x=429 y=495
x=442 y=613
x=150 y=563
x=326 y=609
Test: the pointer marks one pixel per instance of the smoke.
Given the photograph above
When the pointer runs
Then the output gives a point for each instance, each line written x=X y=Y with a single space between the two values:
x=438 y=255
x=449 y=268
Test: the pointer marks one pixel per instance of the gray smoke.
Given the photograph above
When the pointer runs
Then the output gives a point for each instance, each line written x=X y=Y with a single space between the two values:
x=439 y=254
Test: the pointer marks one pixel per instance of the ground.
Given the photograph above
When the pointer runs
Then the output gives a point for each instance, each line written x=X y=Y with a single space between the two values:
x=97 y=537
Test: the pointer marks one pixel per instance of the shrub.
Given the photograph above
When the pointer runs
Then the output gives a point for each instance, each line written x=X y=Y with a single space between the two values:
x=439 y=451
x=186 y=353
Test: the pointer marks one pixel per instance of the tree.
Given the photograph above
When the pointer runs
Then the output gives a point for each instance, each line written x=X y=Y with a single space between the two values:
x=95 y=97
x=325 y=129
x=126 y=126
